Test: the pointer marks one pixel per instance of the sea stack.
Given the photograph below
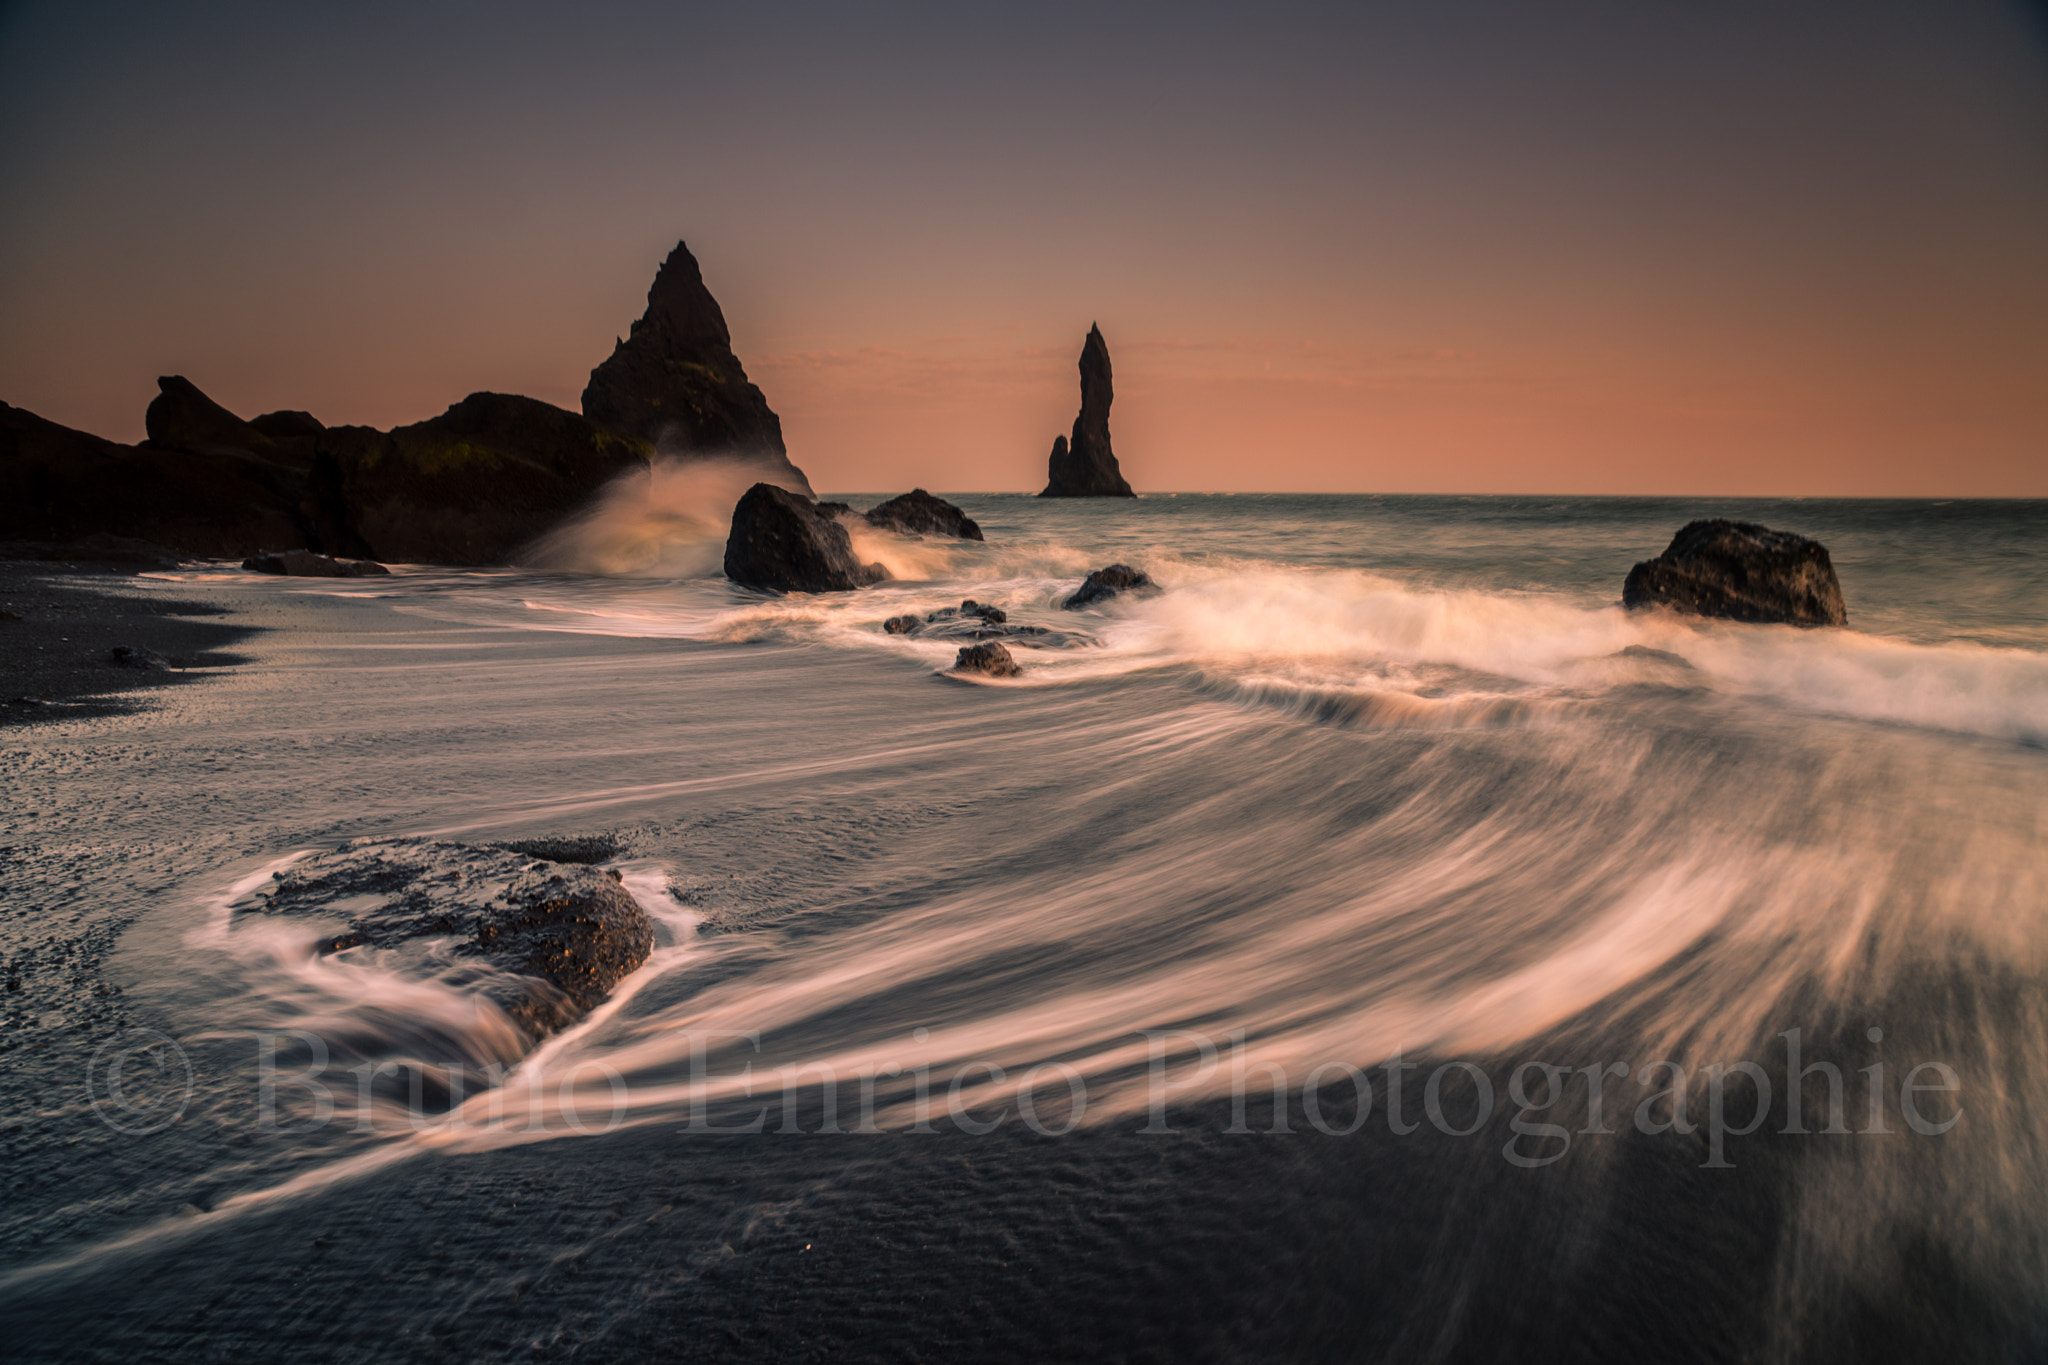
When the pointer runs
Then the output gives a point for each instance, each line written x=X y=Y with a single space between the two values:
x=1086 y=467
x=675 y=383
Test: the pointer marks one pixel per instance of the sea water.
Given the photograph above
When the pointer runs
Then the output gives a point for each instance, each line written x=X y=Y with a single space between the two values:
x=1386 y=799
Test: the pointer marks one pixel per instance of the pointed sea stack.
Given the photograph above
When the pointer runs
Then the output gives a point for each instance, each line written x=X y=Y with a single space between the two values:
x=1085 y=467
x=675 y=383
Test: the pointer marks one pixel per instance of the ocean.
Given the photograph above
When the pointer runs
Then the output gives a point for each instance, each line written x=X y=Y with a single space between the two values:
x=1372 y=943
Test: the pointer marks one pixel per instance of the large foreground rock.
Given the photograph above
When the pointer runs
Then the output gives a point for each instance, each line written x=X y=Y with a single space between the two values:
x=544 y=941
x=919 y=513
x=781 y=541
x=675 y=382
x=471 y=486
x=1085 y=467
x=1742 y=572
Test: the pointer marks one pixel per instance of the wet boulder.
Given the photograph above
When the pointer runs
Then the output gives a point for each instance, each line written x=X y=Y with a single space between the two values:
x=780 y=541
x=902 y=625
x=544 y=941
x=1740 y=571
x=306 y=564
x=919 y=513
x=989 y=659
x=1106 y=583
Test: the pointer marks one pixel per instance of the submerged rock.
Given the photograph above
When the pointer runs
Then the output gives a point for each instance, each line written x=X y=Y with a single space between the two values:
x=1741 y=572
x=1106 y=583
x=545 y=941
x=306 y=564
x=781 y=541
x=902 y=625
x=1085 y=467
x=919 y=513
x=675 y=383
x=990 y=659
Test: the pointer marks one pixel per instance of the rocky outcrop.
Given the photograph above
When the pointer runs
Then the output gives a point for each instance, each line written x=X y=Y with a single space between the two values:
x=471 y=486
x=58 y=485
x=306 y=564
x=675 y=383
x=1106 y=583
x=181 y=417
x=781 y=541
x=919 y=513
x=1742 y=572
x=544 y=941
x=1085 y=467
x=990 y=660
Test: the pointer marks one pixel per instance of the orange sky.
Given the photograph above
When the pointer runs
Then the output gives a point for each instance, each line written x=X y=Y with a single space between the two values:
x=1601 y=249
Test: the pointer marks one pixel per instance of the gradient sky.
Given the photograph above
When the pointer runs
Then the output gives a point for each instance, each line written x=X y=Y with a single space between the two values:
x=1643 y=247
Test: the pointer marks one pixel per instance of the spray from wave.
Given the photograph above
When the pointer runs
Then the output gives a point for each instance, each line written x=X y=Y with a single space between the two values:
x=667 y=521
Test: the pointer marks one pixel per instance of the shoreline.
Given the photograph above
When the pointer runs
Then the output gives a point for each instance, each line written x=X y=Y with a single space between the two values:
x=58 y=632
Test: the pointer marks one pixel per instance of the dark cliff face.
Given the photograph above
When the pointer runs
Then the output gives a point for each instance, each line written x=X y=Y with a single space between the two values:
x=1086 y=467
x=675 y=383
x=468 y=487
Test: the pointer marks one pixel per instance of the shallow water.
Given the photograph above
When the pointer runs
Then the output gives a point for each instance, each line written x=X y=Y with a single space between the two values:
x=1368 y=780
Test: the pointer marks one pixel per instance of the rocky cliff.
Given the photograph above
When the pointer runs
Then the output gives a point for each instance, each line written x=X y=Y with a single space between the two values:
x=1085 y=467
x=675 y=383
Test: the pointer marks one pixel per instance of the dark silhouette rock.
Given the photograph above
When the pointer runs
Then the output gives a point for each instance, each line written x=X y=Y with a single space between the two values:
x=146 y=660
x=989 y=659
x=288 y=424
x=181 y=417
x=306 y=564
x=780 y=541
x=902 y=625
x=552 y=938
x=919 y=513
x=1742 y=572
x=1085 y=467
x=471 y=486
x=60 y=486
x=675 y=383
x=1106 y=583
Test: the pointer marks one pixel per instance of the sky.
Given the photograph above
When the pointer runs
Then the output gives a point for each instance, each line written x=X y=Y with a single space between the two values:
x=1613 y=248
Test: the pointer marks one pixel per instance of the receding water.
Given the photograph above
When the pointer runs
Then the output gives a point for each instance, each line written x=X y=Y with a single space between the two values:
x=1368 y=781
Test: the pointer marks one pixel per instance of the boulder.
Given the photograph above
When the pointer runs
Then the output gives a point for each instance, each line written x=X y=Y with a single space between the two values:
x=306 y=564
x=919 y=513
x=545 y=941
x=675 y=383
x=471 y=486
x=988 y=658
x=1106 y=583
x=780 y=541
x=1085 y=467
x=1742 y=572
x=902 y=625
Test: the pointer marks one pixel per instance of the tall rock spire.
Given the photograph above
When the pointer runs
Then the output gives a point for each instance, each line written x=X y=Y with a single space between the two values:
x=1086 y=467
x=675 y=382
